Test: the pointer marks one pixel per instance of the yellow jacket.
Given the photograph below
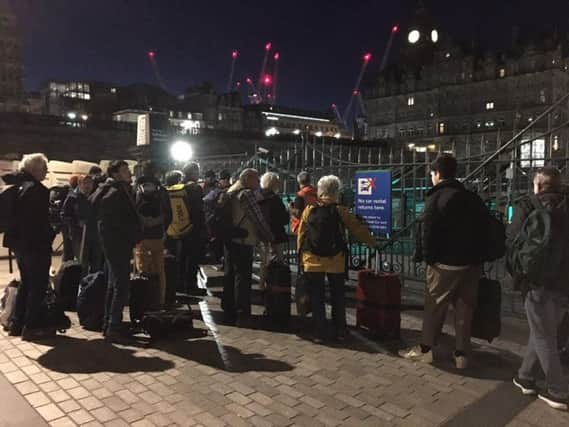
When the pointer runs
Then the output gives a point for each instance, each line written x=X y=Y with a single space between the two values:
x=334 y=264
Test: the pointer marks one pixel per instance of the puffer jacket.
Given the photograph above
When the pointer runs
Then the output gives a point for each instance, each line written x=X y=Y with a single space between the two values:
x=312 y=263
x=522 y=210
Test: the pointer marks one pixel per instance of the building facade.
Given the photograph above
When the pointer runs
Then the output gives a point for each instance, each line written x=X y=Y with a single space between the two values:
x=443 y=95
x=11 y=68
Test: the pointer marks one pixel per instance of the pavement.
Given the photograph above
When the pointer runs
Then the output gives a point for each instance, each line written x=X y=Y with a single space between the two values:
x=226 y=376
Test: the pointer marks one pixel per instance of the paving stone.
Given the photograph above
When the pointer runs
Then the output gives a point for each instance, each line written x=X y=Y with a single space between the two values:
x=394 y=410
x=130 y=415
x=117 y=423
x=69 y=406
x=63 y=422
x=49 y=386
x=81 y=416
x=258 y=409
x=103 y=414
x=50 y=412
x=16 y=377
x=239 y=398
x=27 y=387
x=233 y=421
x=259 y=422
x=159 y=420
x=78 y=392
x=90 y=403
x=209 y=420
x=102 y=393
x=68 y=383
x=37 y=399
x=143 y=423
x=115 y=404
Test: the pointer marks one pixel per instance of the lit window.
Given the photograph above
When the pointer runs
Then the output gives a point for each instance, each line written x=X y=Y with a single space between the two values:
x=171 y=114
x=220 y=116
x=113 y=90
x=502 y=73
x=490 y=105
x=411 y=101
x=556 y=143
x=542 y=97
x=442 y=128
x=447 y=55
x=189 y=116
x=401 y=132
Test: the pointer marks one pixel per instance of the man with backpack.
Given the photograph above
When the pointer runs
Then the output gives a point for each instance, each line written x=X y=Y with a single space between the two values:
x=247 y=228
x=455 y=231
x=154 y=210
x=538 y=248
x=306 y=196
x=30 y=236
x=120 y=230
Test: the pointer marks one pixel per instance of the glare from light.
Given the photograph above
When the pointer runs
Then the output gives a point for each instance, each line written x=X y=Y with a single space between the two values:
x=434 y=36
x=181 y=151
x=272 y=132
x=411 y=146
x=432 y=147
x=318 y=134
x=84 y=117
x=337 y=135
x=71 y=116
x=414 y=36
x=297 y=132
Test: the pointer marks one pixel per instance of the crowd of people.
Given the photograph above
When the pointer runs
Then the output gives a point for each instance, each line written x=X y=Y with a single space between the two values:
x=123 y=226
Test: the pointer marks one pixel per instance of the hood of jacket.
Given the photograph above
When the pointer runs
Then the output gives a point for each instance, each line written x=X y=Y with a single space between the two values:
x=16 y=178
x=144 y=179
x=447 y=183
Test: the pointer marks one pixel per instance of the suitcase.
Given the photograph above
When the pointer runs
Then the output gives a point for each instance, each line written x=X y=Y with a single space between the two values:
x=144 y=295
x=66 y=284
x=91 y=301
x=161 y=324
x=378 y=303
x=487 y=321
x=172 y=270
x=8 y=304
x=278 y=292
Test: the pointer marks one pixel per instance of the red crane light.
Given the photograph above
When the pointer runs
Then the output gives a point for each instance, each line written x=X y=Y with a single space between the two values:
x=356 y=92
x=268 y=46
x=395 y=29
x=334 y=106
x=248 y=80
x=267 y=80
x=367 y=57
x=238 y=84
x=151 y=54
x=234 y=54
x=277 y=56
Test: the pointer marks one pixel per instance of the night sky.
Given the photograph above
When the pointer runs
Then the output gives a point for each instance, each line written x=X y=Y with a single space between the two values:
x=321 y=41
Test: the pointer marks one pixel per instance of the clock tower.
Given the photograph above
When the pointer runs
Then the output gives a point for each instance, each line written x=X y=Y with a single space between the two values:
x=11 y=69
x=421 y=36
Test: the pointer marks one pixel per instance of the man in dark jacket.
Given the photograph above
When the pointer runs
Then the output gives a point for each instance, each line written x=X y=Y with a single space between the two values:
x=78 y=214
x=193 y=245
x=153 y=205
x=30 y=239
x=120 y=230
x=545 y=306
x=454 y=236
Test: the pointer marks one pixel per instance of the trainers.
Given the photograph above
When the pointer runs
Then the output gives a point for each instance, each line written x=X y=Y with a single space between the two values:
x=526 y=386
x=416 y=354
x=460 y=361
x=553 y=401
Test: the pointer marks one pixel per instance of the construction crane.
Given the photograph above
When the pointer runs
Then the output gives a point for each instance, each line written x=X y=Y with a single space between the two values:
x=268 y=47
x=387 y=54
x=152 y=58
x=254 y=96
x=356 y=92
x=276 y=58
x=234 y=56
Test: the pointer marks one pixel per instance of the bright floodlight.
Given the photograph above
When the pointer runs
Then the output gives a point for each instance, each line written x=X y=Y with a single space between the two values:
x=337 y=135
x=181 y=151
x=297 y=132
x=318 y=134
x=272 y=132
x=71 y=116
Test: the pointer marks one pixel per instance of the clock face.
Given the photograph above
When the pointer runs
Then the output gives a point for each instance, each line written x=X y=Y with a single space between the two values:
x=434 y=36
x=414 y=36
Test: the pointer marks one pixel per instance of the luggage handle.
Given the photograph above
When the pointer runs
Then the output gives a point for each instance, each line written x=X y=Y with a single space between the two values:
x=82 y=248
x=10 y=261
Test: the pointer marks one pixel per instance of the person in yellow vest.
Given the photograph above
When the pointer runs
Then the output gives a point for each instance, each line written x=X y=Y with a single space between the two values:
x=323 y=250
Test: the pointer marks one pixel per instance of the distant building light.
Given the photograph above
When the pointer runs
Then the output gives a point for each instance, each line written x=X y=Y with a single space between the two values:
x=432 y=147
x=411 y=146
x=189 y=116
x=490 y=105
x=530 y=119
x=273 y=118
x=318 y=134
x=272 y=132
x=113 y=90
x=84 y=117
x=296 y=132
x=71 y=116
x=411 y=101
x=421 y=149
x=502 y=73
x=337 y=135
x=447 y=55
x=442 y=128
x=556 y=143
x=294 y=116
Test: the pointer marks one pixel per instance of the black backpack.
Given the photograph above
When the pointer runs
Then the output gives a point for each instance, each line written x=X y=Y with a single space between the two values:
x=149 y=204
x=219 y=217
x=496 y=241
x=8 y=200
x=325 y=231
x=539 y=251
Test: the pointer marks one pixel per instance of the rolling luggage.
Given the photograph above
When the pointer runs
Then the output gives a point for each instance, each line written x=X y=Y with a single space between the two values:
x=67 y=280
x=487 y=321
x=144 y=295
x=378 y=303
x=8 y=304
x=91 y=301
x=171 y=268
x=161 y=324
x=52 y=313
x=278 y=292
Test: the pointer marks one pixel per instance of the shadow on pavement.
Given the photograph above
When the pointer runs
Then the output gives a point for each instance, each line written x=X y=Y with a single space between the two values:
x=78 y=356
x=223 y=357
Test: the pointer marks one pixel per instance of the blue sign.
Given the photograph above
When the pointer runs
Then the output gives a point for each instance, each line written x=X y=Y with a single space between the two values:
x=373 y=200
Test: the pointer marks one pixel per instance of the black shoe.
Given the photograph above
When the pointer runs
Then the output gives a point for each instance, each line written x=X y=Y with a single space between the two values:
x=229 y=319
x=564 y=356
x=527 y=387
x=15 y=331
x=244 y=321
x=553 y=401
x=118 y=335
x=37 y=334
x=197 y=292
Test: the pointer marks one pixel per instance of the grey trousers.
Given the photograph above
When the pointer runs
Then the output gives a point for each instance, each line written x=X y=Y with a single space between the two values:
x=545 y=310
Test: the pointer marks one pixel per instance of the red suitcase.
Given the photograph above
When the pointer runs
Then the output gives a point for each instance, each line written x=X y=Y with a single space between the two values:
x=378 y=303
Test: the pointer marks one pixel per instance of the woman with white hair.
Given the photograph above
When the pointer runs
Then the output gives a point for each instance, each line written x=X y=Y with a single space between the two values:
x=30 y=237
x=323 y=250
x=277 y=217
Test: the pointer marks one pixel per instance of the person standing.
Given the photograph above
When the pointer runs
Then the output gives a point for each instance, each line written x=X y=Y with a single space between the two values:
x=155 y=212
x=323 y=251
x=306 y=196
x=250 y=228
x=546 y=301
x=454 y=247
x=120 y=230
x=30 y=239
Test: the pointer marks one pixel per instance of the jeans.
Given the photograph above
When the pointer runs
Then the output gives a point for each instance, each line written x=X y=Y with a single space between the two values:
x=237 y=279
x=34 y=272
x=545 y=310
x=118 y=275
x=317 y=290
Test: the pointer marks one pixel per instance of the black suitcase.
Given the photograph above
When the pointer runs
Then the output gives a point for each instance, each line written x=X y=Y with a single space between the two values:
x=66 y=284
x=144 y=295
x=171 y=268
x=91 y=301
x=278 y=292
x=161 y=324
x=487 y=320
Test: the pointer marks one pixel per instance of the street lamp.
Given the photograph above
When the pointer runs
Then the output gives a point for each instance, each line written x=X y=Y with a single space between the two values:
x=181 y=151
